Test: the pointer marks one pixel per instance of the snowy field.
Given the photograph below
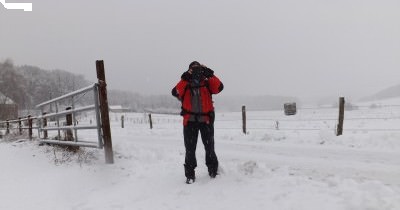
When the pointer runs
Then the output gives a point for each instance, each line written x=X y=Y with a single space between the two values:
x=283 y=163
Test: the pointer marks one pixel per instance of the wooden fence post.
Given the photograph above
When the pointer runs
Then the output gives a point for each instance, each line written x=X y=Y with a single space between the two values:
x=20 y=125
x=277 y=125
x=30 y=126
x=151 y=122
x=244 y=119
x=341 y=117
x=105 y=119
x=122 y=121
x=68 y=133
x=45 y=135
x=8 y=127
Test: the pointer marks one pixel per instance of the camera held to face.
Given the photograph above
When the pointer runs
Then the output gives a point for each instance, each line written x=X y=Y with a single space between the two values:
x=197 y=72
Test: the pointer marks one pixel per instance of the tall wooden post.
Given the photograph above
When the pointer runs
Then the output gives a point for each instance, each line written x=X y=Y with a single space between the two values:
x=341 y=116
x=45 y=135
x=68 y=133
x=8 y=127
x=150 y=121
x=244 y=119
x=105 y=119
x=20 y=125
x=30 y=126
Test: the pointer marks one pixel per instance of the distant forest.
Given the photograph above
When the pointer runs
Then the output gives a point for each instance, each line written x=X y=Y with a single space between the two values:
x=28 y=86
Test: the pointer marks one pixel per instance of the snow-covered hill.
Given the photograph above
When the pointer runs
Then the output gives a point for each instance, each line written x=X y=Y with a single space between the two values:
x=390 y=92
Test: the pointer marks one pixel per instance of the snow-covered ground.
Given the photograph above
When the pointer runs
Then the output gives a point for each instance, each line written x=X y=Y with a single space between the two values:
x=301 y=166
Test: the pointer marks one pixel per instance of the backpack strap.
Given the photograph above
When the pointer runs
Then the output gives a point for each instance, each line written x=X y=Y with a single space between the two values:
x=189 y=86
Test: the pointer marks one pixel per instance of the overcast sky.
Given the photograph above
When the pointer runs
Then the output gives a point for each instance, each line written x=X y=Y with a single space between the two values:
x=300 y=48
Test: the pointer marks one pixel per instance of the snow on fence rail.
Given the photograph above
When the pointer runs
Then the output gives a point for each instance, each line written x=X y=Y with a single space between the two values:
x=71 y=127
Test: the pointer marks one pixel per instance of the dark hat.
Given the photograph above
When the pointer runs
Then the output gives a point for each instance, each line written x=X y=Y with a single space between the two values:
x=194 y=63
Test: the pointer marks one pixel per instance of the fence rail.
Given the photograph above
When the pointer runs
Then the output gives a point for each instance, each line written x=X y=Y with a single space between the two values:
x=63 y=113
x=20 y=125
x=77 y=92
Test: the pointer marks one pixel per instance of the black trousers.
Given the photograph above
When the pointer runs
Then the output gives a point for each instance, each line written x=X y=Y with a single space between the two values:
x=191 y=133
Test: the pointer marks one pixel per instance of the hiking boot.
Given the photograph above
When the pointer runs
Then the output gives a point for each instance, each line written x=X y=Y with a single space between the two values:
x=190 y=173
x=213 y=173
x=190 y=180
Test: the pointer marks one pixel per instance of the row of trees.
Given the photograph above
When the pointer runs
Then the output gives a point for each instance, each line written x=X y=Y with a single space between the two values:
x=28 y=85
x=10 y=83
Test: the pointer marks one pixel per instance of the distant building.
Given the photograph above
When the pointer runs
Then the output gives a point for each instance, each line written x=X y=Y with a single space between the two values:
x=8 y=109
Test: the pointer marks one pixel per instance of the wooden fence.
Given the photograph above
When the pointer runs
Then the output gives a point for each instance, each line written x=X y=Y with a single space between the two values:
x=71 y=136
x=310 y=118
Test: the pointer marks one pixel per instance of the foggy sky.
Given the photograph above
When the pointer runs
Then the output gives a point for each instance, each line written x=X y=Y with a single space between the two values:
x=302 y=48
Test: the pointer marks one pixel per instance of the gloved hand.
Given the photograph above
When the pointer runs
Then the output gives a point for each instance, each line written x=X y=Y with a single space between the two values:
x=186 y=76
x=208 y=72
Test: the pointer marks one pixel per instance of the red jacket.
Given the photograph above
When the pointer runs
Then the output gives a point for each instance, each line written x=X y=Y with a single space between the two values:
x=208 y=86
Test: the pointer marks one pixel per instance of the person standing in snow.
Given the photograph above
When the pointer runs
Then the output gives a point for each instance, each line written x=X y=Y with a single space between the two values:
x=195 y=90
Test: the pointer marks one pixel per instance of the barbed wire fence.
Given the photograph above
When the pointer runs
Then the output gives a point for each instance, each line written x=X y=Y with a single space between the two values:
x=362 y=118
